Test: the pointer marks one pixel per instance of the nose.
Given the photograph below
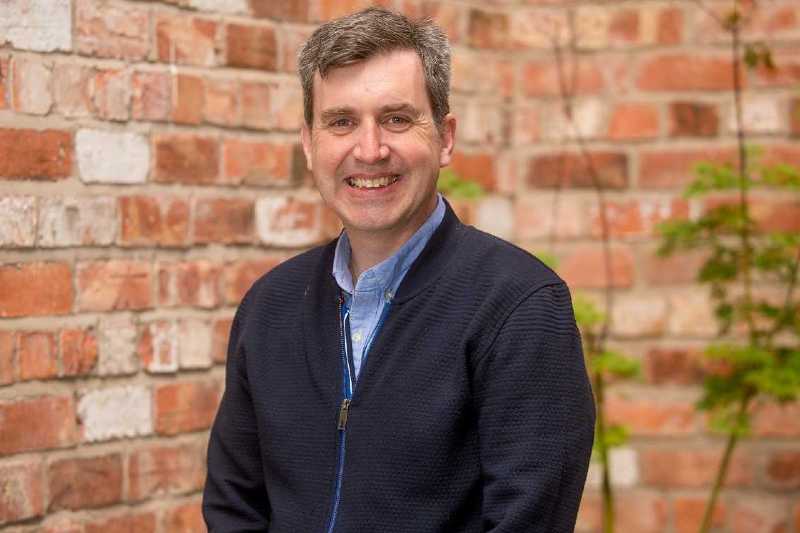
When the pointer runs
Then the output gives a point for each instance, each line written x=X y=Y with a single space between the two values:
x=369 y=147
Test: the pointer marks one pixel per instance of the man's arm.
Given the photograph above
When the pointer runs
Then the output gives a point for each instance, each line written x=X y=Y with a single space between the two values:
x=235 y=498
x=535 y=416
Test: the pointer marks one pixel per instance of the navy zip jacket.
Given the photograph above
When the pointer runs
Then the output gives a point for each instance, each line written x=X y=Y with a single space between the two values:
x=473 y=412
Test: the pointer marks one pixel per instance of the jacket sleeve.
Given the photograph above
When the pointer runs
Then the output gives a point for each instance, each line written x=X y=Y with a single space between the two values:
x=535 y=417
x=235 y=497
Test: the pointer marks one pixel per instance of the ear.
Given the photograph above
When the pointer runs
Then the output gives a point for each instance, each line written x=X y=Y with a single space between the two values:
x=448 y=134
x=305 y=140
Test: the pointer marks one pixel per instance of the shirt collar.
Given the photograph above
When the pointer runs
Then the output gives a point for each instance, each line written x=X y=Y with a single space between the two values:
x=386 y=275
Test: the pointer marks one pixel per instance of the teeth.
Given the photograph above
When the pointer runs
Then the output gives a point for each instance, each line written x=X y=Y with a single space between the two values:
x=371 y=183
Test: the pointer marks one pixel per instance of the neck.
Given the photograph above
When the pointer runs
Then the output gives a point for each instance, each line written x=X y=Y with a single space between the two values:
x=368 y=248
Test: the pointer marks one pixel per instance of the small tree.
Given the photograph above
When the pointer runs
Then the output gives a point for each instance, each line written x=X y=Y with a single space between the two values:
x=757 y=344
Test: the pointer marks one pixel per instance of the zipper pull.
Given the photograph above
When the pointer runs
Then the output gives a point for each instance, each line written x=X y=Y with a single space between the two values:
x=344 y=410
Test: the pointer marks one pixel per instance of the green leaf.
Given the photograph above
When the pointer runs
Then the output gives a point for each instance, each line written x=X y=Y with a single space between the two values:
x=712 y=177
x=454 y=186
x=587 y=315
x=548 y=259
x=615 y=363
x=781 y=175
x=613 y=437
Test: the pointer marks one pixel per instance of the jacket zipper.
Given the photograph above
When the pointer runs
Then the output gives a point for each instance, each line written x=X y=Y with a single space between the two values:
x=347 y=392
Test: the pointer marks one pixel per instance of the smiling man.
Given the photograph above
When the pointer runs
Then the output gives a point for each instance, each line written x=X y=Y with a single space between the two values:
x=415 y=375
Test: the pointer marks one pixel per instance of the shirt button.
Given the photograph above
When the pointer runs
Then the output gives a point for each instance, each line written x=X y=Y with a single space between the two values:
x=357 y=336
x=388 y=295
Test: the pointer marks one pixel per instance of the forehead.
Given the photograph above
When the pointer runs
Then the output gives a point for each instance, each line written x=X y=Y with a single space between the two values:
x=390 y=78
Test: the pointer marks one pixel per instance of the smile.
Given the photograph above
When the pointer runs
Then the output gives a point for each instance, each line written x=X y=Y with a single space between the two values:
x=372 y=183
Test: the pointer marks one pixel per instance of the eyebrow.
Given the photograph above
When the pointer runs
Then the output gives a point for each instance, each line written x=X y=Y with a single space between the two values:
x=335 y=112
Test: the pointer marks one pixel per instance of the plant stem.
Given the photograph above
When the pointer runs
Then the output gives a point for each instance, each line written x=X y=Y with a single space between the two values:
x=722 y=472
x=602 y=446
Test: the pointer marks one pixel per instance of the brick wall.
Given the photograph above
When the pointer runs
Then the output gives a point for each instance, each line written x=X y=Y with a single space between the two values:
x=149 y=172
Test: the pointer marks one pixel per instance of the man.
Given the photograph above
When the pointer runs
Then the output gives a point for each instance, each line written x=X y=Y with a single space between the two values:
x=415 y=375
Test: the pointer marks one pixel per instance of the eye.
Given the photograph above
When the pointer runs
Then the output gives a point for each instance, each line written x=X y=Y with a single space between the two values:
x=397 y=122
x=341 y=123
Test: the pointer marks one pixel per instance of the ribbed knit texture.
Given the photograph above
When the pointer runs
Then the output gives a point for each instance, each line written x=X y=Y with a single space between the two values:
x=473 y=411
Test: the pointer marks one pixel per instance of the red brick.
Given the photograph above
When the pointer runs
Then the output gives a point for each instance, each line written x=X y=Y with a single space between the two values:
x=54 y=427
x=693 y=468
x=257 y=163
x=35 y=154
x=759 y=514
x=670 y=26
x=4 y=77
x=158 y=347
x=38 y=355
x=783 y=469
x=31 y=88
x=186 y=518
x=190 y=283
x=678 y=72
x=786 y=72
x=541 y=78
x=110 y=94
x=677 y=269
x=477 y=167
x=114 y=285
x=22 y=292
x=86 y=482
x=632 y=121
x=239 y=276
x=71 y=90
x=693 y=119
x=78 y=351
x=219 y=348
x=610 y=170
x=127 y=523
x=794 y=117
x=186 y=158
x=186 y=406
x=675 y=168
x=488 y=30
x=188 y=99
x=331 y=9
x=624 y=27
x=255 y=105
x=636 y=512
x=161 y=470
x=109 y=30
x=152 y=93
x=286 y=11
x=61 y=524
x=225 y=220
x=185 y=40
x=674 y=366
x=585 y=268
x=148 y=221
x=221 y=102
x=637 y=218
x=689 y=513
x=8 y=350
x=797 y=517
x=22 y=496
x=653 y=417
x=771 y=420
x=252 y=47
x=775 y=215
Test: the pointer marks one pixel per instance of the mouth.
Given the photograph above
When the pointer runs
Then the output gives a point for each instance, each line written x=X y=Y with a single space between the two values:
x=374 y=182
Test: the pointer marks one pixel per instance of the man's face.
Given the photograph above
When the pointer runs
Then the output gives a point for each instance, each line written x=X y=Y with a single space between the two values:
x=374 y=149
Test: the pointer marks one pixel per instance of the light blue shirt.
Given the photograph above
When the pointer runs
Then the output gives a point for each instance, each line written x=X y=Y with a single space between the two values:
x=376 y=287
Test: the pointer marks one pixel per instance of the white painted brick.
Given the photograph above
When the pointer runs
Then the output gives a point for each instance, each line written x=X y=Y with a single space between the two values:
x=76 y=221
x=39 y=25
x=117 y=346
x=624 y=469
x=691 y=313
x=589 y=119
x=286 y=221
x=112 y=157
x=32 y=86
x=496 y=216
x=163 y=346
x=220 y=6
x=194 y=344
x=591 y=26
x=760 y=114
x=17 y=221
x=116 y=412
x=639 y=315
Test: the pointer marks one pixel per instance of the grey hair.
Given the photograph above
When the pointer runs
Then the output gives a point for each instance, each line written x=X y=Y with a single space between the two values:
x=370 y=32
